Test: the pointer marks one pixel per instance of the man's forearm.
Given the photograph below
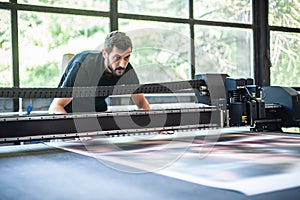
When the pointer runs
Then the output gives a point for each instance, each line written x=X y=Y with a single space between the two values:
x=145 y=106
x=140 y=101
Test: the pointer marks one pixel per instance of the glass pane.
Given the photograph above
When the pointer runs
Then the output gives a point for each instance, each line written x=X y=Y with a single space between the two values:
x=82 y=4
x=44 y=38
x=159 y=55
x=285 y=58
x=224 y=50
x=224 y=10
x=167 y=8
x=5 y=50
x=284 y=13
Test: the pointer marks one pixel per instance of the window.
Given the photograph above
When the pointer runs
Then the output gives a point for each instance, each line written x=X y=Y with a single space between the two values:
x=5 y=50
x=285 y=58
x=161 y=50
x=167 y=8
x=223 y=10
x=223 y=50
x=44 y=38
x=82 y=4
x=284 y=13
x=165 y=50
x=223 y=37
x=284 y=42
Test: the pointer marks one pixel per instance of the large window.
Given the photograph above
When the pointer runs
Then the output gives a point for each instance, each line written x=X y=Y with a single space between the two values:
x=44 y=38
x=161 y=50
x=5 y=50
x=285 y=42
x=163 y=33
x=180 y=37
x=224 y=50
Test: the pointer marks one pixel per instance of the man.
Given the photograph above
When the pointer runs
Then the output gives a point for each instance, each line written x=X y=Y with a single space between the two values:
x=99 y=68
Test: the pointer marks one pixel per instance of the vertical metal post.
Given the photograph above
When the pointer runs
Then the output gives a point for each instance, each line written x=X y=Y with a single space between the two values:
x=114 y=15
x=192 y=39
x=15 y=50
x=261 y=35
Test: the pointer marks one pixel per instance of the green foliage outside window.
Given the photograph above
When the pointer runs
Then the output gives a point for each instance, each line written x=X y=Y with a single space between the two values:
x=42 y=76
x=44 y=39
x=5 y=48
x=218 y=49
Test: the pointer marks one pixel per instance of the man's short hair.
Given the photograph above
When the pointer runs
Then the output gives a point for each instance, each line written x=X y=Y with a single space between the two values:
x=118 y=39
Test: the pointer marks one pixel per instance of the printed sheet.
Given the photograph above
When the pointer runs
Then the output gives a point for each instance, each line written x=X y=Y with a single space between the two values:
x=251 y=163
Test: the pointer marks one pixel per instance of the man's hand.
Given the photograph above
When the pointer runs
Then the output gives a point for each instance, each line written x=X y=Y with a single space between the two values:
x=166 y=132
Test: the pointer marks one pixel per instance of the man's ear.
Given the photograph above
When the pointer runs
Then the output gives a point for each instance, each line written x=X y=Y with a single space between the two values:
x=104 y=53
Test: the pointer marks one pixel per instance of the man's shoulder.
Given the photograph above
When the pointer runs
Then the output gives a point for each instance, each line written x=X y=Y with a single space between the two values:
x=80 y=58
x=82 y=55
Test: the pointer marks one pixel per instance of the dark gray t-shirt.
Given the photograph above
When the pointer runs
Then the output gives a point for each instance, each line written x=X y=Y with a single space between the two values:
x=86 y=69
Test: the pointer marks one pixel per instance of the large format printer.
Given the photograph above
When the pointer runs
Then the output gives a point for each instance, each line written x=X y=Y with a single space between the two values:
x=229 y=133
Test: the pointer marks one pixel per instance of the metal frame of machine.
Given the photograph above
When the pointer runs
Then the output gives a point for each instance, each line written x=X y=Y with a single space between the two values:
x=231 y=102
x=268 y=108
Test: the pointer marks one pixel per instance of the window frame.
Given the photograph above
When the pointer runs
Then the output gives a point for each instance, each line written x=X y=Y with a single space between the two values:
x=260 y=27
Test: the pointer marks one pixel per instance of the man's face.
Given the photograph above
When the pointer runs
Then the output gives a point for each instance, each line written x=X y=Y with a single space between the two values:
x=116 y=62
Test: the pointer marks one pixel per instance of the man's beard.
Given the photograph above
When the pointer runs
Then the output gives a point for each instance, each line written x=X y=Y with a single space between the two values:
x=113 y=71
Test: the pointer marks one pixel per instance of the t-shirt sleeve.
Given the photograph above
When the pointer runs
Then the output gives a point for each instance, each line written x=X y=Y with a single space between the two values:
x=76 y=74
x=70 y=75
